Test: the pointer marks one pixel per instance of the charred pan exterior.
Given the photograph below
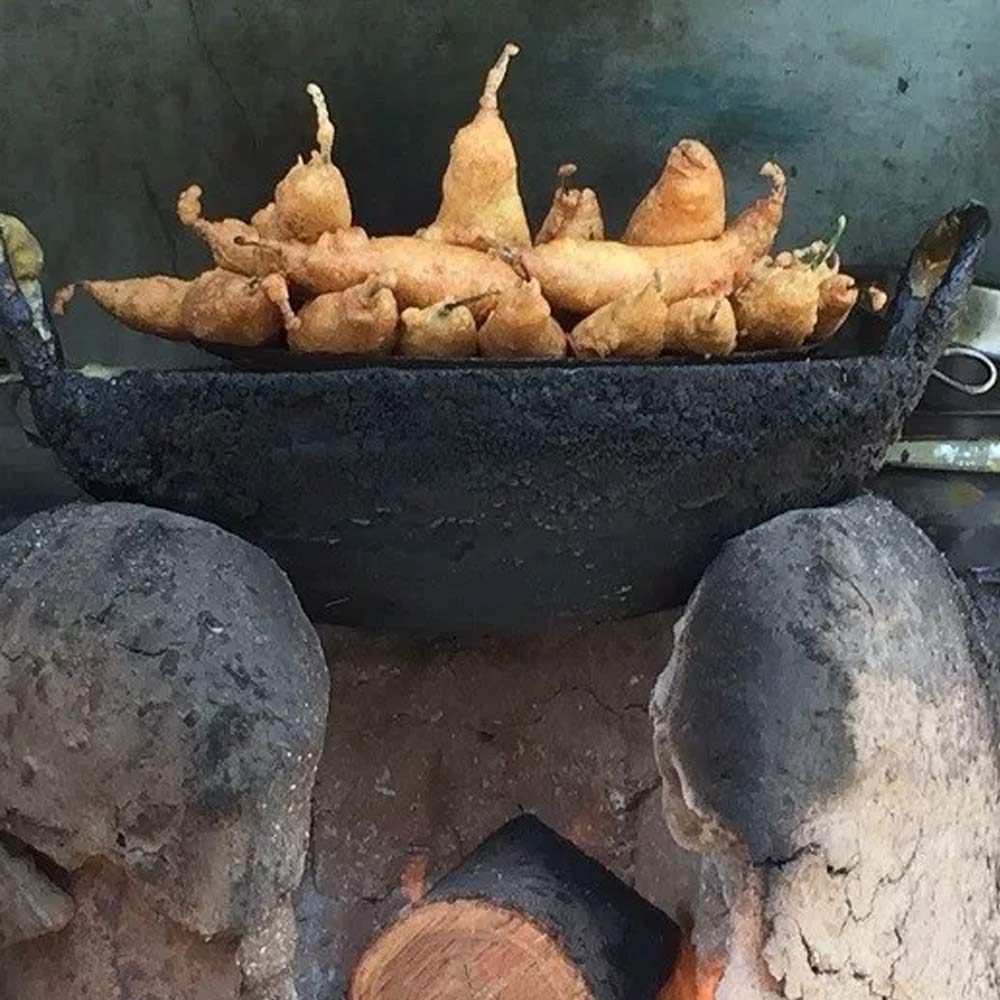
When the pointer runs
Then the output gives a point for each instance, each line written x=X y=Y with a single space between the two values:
x=479 y=496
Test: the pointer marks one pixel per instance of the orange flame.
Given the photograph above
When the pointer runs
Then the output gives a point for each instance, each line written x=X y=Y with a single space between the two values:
x=414 y=878
x=691 y=979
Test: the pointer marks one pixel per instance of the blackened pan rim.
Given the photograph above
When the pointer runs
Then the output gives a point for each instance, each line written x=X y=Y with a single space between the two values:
x=281 y=362
x=567 y=368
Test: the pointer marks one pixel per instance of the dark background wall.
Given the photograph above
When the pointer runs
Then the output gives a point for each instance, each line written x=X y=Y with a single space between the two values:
x=888 y=111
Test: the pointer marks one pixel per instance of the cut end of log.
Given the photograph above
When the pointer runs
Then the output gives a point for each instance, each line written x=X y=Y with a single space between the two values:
x=466 y=950
x=526 y=916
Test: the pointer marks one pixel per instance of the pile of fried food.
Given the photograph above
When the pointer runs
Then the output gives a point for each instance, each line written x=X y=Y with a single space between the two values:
x=473 y=282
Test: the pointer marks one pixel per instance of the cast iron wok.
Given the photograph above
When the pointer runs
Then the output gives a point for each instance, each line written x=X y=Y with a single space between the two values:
x=482 y=497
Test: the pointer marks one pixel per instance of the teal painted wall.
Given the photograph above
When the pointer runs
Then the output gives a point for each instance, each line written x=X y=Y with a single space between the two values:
x=889 y=112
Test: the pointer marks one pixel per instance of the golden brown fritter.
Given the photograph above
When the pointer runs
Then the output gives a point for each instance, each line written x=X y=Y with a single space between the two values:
x=575 y=212
x=149 y=305
x=360 y=320
x=225 y=308
x=703 y=326
x=233 y=243
x=583 y=275
x=426 y=272
x=797 y=296
x=837 y=295
x=633 y=324
x=687 y=203
x=480 y=200
x=521 y=326
x=441 y=330
x=312 y=198
x=218 y=306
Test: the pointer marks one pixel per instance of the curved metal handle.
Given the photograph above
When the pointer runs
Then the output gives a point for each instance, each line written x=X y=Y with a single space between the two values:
x=34 y=347
x=969 y=388
x=932 y=289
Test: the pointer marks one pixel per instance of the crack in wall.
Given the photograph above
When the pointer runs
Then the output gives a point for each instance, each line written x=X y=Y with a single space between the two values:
x=162 y=219
x=214 y=66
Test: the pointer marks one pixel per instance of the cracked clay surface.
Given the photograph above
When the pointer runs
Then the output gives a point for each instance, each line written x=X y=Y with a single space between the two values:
x=863 y=835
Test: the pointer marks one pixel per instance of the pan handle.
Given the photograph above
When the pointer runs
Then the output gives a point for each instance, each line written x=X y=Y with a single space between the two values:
x=29 y=338
x=990 y=373
x=933 y=288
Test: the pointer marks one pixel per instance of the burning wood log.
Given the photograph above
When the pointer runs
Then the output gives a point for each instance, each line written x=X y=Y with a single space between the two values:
x=525 y=916
x=828 y=742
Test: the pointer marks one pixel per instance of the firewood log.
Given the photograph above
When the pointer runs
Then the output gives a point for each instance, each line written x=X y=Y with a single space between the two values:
x=526 y=916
